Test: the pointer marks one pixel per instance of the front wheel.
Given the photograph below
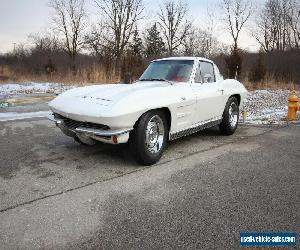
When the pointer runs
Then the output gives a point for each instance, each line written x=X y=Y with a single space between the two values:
x=230 y=117
x=149 y=137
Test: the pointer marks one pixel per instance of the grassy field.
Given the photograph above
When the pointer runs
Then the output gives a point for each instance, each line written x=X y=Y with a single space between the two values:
x=93 y=74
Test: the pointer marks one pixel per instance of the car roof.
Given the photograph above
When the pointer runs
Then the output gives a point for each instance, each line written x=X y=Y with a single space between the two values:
x=184 y=58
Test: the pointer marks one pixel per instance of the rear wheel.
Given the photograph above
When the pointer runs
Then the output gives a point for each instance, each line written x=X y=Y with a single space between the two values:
x=148 y=139
x=230 y=117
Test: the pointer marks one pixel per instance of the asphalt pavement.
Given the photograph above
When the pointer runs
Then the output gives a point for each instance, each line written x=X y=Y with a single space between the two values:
x=207 y=188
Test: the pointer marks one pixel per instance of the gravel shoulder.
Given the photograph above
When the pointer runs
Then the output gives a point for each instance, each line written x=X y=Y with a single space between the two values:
x=267 y=106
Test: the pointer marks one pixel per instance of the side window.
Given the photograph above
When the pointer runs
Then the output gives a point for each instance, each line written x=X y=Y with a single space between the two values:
x=198 y=78
x=207 y=72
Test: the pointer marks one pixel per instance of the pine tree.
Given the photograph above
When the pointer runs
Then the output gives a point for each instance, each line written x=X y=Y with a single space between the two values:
x=234 y=64
x=154 y=43
x=136 y=46
x=133 y=63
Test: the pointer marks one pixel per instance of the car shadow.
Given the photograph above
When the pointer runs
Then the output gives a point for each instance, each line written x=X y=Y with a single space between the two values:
x=105 y=153
x=120 y=156
x=123 y=155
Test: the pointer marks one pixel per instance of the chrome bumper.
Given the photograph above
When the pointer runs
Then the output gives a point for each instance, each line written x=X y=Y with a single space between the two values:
x=112 y=136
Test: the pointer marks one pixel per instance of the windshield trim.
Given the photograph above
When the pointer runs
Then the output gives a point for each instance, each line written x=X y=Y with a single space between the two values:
x=156 y=79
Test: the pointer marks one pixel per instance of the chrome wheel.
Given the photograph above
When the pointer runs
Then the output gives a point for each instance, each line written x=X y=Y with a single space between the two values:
x=154 y=134
x=233 y=115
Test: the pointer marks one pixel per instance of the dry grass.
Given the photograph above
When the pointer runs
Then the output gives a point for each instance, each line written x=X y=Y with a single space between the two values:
x=93 y=74
x=271 y=83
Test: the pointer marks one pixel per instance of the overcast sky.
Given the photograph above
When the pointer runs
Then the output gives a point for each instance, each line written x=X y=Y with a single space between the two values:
x=18 y=18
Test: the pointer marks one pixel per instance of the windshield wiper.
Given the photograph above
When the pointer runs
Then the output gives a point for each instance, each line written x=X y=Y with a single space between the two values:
x=156 y=79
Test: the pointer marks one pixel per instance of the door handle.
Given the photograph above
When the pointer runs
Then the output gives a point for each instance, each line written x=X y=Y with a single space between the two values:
x=221 y=90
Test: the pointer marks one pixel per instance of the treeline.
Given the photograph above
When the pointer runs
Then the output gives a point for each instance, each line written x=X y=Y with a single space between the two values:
x=117 y=48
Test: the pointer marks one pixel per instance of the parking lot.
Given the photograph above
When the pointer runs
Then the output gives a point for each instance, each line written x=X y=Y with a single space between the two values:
x=55 y=193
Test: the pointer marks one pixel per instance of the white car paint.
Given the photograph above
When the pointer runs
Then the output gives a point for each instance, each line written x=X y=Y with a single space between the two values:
x=119 y=106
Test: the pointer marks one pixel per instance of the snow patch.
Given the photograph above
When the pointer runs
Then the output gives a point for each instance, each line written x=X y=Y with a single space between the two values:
x=11 y=116
x=266 y=106
x=32 y=88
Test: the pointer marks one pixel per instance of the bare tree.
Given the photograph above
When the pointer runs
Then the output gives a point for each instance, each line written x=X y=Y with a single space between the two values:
x=45 y=42
x=278 y=25
x=174 y=24
x=202 y=43
x=293 y=20
x=69 y=19
x=238 y=13
x=96 y=42
x=120 y=18
x=211 y=28
x=263 y=31
x=196 y=43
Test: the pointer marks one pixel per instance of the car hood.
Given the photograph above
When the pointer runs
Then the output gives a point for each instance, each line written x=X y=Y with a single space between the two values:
x=103 y=94
x=99 y=100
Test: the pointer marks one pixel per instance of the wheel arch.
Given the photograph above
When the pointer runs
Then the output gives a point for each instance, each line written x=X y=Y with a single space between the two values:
x=168 y=114
x=238 y=97
x=165 y=110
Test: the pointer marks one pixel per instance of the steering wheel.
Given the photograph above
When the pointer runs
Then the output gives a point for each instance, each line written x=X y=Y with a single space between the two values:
x=178 y=78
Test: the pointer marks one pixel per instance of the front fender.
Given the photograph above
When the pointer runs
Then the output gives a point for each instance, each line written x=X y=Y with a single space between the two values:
x=177 y=98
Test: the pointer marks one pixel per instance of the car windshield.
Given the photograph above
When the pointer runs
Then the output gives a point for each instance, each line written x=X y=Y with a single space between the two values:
x=168 y=70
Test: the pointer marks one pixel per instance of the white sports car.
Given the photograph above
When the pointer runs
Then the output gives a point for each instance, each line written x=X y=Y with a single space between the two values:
x=174 y=97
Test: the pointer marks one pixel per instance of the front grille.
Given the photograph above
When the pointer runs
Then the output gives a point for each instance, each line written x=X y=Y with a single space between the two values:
x=72 y=124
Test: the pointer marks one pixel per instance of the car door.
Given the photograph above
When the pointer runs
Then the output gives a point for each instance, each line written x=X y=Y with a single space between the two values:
x=209 y=94
x=185 y=106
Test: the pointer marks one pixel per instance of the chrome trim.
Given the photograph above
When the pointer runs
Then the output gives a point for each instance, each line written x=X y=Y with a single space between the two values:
x=51 y=118
x=233 y=115
x=99 y=132
x=155 y=132
x=90 y=131
x=56 y=120
x=195 y=128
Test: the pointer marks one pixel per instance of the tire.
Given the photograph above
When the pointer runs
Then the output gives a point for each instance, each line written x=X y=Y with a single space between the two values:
x=149 y=137
x=230 y=117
